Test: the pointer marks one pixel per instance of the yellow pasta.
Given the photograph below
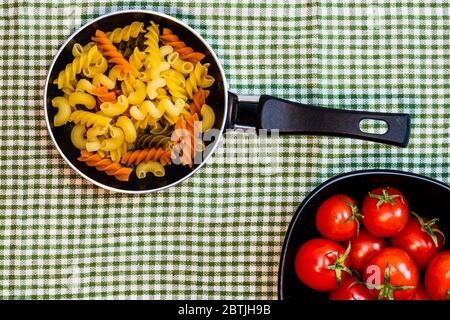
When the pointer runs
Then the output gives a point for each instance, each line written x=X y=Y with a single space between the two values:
x=170 y=119
x=66 y=78
x=146 y=108
x=208 y=118
x=164 y=51
x=151 y=45
x=139 y=92
x=101 y=79
x=162 y=94
x=97 y=66
x=155 y=72
x=116 y=140
x=174 y=75
x=116 y=73
x=64 y=111
x=77 y=50
x=118 y=153
x=77 y=137
x=82 y=98
x=178 y=64
x=151 y=166
x=153 y=86
x=148 y=121
x=176 y=88
x=114 y=109
x=136 y=61
x=85 y=85
x=93 y=142
x=89 y=119
x=124 y=34
x=127 y=127
x=173 y=110
x=199 y=78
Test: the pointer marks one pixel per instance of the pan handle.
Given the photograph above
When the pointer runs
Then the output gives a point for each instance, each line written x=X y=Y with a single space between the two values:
x=297 y=118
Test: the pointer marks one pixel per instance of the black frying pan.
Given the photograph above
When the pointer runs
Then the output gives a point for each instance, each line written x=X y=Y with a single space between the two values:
x=265 y=112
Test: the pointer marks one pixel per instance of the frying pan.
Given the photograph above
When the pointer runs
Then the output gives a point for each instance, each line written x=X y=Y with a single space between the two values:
x=232 y=112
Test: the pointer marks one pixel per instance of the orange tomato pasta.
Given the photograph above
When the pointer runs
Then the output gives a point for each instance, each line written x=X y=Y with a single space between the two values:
x=198 y=101
x=106 y=165
x=186 y=53
x=110 y=51
x=144 y=155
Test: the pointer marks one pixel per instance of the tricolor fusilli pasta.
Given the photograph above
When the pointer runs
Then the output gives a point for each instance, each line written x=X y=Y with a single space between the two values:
x=135 y=98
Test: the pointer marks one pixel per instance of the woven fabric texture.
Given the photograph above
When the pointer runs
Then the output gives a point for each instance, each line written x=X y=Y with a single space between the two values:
x=220 y=233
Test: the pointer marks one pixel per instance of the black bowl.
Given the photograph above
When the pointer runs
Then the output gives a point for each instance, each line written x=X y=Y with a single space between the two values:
x=425 y=196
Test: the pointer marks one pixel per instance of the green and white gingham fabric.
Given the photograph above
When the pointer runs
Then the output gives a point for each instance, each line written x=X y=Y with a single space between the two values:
x=218 y=234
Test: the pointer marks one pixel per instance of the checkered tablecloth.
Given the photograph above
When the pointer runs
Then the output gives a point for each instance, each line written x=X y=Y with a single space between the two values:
x=219 y=234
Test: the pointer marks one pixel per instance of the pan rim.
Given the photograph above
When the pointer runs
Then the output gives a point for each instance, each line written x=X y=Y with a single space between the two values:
x=325 y=184
x=216 y=143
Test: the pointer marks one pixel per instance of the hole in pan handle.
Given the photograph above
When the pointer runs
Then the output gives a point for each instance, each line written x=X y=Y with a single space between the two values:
x=289 y=117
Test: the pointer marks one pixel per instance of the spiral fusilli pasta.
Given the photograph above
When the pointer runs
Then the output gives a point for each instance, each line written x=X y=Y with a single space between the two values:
x=110 y=168
x=89 y=119
x=67 y=77
x=151 y=44
x=186 y=53
x=198 y=101
x=151 y=154
x=186 y=143
x=134 y=97
x=109 y=50
x=124 y=34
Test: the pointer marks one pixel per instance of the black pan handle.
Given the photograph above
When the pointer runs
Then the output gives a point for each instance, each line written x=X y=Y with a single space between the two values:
x=298 y=118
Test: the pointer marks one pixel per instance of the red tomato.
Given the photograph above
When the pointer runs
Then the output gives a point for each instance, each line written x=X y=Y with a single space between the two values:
x=364 y=246
x=347 y=291
x=391 y=274
x=321 y=264
x=385 y=212
x=421 y=293
x=421 y=239
x=337 y=218
x=437 y=276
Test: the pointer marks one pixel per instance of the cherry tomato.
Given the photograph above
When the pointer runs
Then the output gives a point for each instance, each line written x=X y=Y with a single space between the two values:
x=337 y=218
x=322 y=264
x=364 y=246
x=421 y=239
x=350 y=290
x=437 y=276
x=391 y=274
x=385 y=212
x=421 y=293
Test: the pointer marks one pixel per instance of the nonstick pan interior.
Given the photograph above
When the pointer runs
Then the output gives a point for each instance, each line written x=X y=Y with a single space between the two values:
x=61 y=135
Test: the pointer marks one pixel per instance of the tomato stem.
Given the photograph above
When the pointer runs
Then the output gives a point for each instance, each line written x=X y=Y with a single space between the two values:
x=356 y=282
x=356 y=215
x=387 y=289
x=448 y=294
x=338 y=265
x=385 y=197
x=427 y=227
